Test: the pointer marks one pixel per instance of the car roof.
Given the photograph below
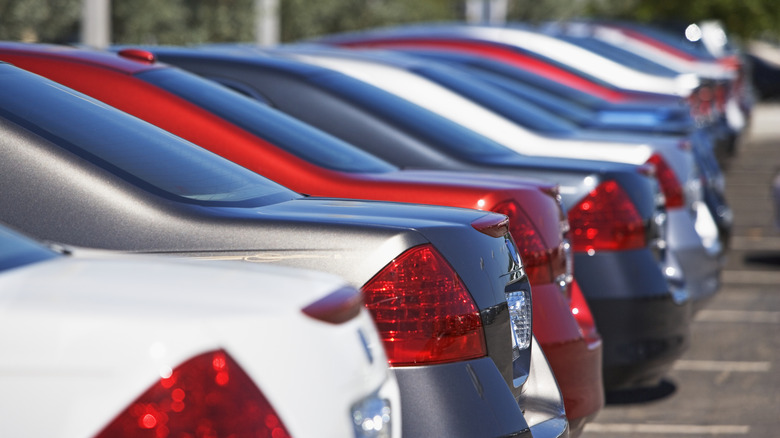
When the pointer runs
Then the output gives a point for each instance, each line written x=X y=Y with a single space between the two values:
x=95 y=57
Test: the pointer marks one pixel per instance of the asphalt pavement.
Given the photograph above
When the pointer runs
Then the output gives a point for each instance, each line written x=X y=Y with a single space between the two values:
x=728 y=382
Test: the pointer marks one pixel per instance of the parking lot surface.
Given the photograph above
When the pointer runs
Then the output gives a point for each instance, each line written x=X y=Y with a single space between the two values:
x=728 y=382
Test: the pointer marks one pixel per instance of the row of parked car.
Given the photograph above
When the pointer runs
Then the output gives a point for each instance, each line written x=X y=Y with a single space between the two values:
x=510 y=221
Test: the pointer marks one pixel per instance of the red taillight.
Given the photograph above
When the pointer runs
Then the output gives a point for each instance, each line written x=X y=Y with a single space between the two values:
x=583 y=316
x=207 y=396
x=423 y=311
x=670 y=185
x=606 y=219
x=536 y=256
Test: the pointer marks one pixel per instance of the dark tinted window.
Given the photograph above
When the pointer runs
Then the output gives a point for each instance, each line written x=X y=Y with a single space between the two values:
x=559 y=104
x=128 y=147
x=419 y=122
x=621 y=56
x=536 y=80
x=569 y=109
x=516 y=109
x=267 y=123
x=16 y=250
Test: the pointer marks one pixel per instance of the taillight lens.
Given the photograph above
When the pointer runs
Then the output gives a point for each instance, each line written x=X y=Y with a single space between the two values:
x=606 y=219
x=583 y=316
x=423 y=310
x=536 y=257
x=670 y=185
x=207 y=396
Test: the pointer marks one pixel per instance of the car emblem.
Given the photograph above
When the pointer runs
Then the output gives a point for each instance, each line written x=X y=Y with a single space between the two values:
x=366 y=346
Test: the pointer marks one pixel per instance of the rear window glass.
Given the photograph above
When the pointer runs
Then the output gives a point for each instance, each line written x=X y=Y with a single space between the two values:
x=622 y=56
x=16 y=250
x=267 y=123
x=134 y=150
x=420 y=122
x=524 y=113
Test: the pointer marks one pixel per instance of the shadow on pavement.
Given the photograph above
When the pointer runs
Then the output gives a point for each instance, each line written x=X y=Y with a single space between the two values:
x=641 y=395
x=771 y=258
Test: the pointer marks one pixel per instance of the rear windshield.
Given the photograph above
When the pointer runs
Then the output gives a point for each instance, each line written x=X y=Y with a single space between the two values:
x=521 y=111
x=16 y=250
x=267 y=123
x=622 y=56
x=536 y=80
x=136 y=151
x=437 y=130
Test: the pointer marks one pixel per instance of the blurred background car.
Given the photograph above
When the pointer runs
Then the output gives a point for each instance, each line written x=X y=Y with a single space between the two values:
x=556 y=134
x=151 y=346
x=692 y=236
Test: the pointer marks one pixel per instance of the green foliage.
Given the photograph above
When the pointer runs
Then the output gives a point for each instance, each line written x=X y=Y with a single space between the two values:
x=40 y=20
x=742 y=18
x=149 y=22
x=535 y=10
x=182 y=21
x=305 y=18
x=193 y=21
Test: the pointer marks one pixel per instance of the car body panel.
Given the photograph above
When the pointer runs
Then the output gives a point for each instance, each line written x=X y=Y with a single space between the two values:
x=93 y=332
x=67 y=193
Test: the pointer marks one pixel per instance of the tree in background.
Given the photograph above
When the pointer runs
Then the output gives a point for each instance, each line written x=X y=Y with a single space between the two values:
x=194 y=21
x=55 y=21
x=305 y=18
x=182 y=21
x=536 y=11
x=743 y=18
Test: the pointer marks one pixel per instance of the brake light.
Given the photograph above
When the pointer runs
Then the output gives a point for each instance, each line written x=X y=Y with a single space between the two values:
x=606 y=219
x=423 y=310
x=670 y=186
x=581 y=311
x=534 y=253
x=209 y=395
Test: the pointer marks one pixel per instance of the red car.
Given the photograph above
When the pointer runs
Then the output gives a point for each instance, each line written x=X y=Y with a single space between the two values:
x=308 y=161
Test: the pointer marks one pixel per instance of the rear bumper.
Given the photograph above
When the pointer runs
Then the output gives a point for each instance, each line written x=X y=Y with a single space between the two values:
x=577 y=367
x=541 y=399
x=463 y=399
x=575 y=362
x=644 y=327
x=643 y=338
x=701 y=266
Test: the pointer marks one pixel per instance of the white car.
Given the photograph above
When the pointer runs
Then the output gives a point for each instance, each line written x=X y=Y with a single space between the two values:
x=111 y=346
